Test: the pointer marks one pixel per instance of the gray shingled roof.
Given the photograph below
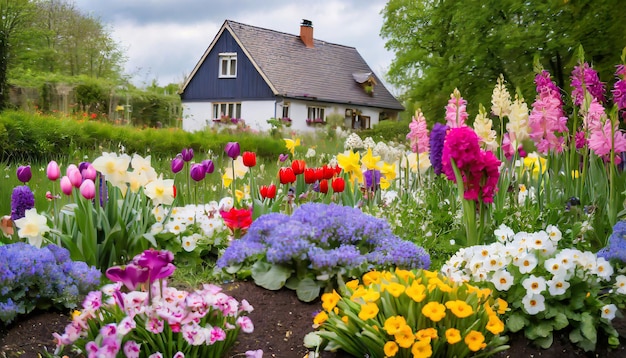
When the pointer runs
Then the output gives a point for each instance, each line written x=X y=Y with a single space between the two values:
x=324 y=73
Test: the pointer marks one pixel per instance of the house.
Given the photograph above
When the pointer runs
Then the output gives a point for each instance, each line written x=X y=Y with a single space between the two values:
x=255 y=74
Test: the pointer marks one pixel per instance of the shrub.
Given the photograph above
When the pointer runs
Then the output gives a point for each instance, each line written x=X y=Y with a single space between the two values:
x=32 y=278
x=388 y=130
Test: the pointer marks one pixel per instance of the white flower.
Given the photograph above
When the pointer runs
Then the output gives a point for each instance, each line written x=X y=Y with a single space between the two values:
x=353 y=142
x=554 y=266
x=526 y=263
x=503 y=233
x=226 y=204
x=113 y=167
x=161 y=191
x=603 y=268
x=310 y=153
x=558 y=285
x=156 y=228
x=534 y=284
x=175 y=226
x=620 y=284
x=190 y=242
x=554 y=233
x=369 y=143
x=32 y=227
x=534 y=303
x=502 y=280
x=608 y=311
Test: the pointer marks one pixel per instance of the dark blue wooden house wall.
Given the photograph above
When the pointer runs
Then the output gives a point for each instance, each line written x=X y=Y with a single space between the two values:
x=206 y=84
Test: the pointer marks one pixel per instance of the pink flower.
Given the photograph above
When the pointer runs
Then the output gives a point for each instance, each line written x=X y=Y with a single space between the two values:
x=156 y=355
x=132 y=349
x=66 y=185
x=418 y=134
x=462 y=145
x=581 y=139
x=254 y=354
x=601 y=139
x=584 y=78
x=93 y=301
x=217 y=334
x=158 y=263
x=193 y=334
x=76 y=178
x=53 y=172
x=130 y=275
x=245 y=323
x=456 y=113
x=507 y=147
x=547 y=117
x=88 y=189
x=155 y=325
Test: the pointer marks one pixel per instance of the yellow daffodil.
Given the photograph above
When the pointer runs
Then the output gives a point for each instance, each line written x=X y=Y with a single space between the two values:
x=393 y=324
x=534 y=163
x=388 y=171
x=460 y=308
x=371 y=277
x=345 y=319
x=417 y=162
x=370 y=161
x=434 y=310
x=352 y=284
x=371 y=296
x=426 y=333
x=502 y=306
x=422 y=349
x=161 y=191
x=395 y=289
x=453 y=335
x=329 y=300
x=320 y=318
x=404 y=337
x=475 y=341
x=495 y=325
x=350 y=163
x=390 y=349
x=404 y=275
x=291 y=144
x=416 y=291
x=368 y=311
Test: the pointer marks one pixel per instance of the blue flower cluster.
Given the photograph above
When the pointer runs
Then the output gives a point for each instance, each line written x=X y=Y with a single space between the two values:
x=31 y=277
x=616 y=248
x=328 y=237
x=22 y=199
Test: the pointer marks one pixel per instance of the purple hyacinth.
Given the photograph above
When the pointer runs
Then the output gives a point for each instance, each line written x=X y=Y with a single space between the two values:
x=616 y=247
x=586 y=78
x=437 y=137
x=372 y=178
x=22 y=199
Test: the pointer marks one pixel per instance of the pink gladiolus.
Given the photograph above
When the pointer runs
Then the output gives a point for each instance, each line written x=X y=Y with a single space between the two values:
x=66 y=186
x=88 y=189
x=456 y=113
x=418 y=135
x=601 y=139
x=53 y=172
x=76 y=178
x=217 y=334
x=547 y=117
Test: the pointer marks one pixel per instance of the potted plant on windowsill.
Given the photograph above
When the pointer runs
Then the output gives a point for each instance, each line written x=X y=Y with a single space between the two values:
x=286 y=121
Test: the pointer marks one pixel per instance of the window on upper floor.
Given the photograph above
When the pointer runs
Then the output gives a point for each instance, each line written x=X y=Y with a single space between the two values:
x=226 y=109
x=228 y=65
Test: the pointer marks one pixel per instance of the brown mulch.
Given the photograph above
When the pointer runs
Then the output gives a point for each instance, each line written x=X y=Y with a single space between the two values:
x=281 y=322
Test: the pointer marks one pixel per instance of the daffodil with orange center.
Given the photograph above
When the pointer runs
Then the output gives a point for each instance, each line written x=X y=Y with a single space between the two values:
x=434 y=310
x=329 y=300
x=460 y=308
x=371 y=277
x=368 y=311
x=352 y=284
x=404 y=336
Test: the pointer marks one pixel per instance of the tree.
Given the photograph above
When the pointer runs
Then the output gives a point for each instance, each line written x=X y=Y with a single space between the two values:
x=14 y=17
x=445 y=44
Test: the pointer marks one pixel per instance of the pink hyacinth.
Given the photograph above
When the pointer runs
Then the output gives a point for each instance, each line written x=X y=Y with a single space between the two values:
x=456 y=112
x=602 y=137
x=547 y=118
x=418 y=134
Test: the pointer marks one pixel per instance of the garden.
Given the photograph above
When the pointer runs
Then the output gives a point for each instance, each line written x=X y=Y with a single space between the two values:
x=500 y=235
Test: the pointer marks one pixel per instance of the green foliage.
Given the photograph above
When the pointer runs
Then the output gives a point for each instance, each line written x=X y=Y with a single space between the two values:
x=395 y=131
x=91 y=97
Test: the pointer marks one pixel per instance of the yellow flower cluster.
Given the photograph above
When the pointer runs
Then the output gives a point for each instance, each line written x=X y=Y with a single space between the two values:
x=411 y=313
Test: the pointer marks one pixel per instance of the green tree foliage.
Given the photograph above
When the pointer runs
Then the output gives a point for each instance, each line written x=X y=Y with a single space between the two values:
x=14 y=18
x=445 y=44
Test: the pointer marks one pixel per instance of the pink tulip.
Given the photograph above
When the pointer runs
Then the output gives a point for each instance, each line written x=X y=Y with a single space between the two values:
x=75 y=177
x=88 y=189
x=66 y=185
x=130 y=275
x=53 y=172
x=89 y=173
x=70 y=168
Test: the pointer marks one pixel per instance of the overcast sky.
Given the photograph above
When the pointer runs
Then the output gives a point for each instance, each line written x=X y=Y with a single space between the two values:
x=164 y=39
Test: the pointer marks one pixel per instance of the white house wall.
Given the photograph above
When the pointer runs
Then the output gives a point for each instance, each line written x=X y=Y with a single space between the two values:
x=198 y=115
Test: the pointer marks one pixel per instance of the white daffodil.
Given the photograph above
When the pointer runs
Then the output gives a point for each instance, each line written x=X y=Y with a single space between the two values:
x=32 y=227
x=160 y=191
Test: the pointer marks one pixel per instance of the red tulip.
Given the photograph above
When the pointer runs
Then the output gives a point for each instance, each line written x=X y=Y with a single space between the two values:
x=298 y=166
x=249 y=159
x=324 y=186
x=338 y=170
x=338 y=185
x=237 y=218
x=268 y=191
x=319 y=174
x=286 y=176
x=309 y=176
x=329 y=172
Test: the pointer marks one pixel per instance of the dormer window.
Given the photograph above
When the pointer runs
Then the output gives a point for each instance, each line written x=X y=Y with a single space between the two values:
x=366 y=81
x=228 y=65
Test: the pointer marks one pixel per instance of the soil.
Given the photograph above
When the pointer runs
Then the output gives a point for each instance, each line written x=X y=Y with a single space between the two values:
x=281 y=321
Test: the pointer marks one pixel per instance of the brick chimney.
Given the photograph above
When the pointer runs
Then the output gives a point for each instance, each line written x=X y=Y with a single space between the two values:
x=306 y=33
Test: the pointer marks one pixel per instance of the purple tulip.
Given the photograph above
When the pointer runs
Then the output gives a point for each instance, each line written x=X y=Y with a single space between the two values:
x=187 y=154
x=177 y=164
x=209 y=166
x=24 y=174
x=232 y=150
x=88 y=189
x=158 y=262
x=283 y=157
x=53 y=172
x=197 y=172
x=83 y=165
x=130 y=275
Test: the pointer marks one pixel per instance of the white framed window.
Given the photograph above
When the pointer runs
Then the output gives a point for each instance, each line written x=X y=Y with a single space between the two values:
x=228 y=65
x=316 y=113
x=286 y=110
x=227 y=109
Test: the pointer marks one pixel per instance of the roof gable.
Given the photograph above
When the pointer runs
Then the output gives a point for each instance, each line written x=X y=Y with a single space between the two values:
x=324 y=73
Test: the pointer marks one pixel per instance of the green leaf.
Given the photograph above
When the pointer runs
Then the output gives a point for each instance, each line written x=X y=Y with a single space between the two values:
x=545 y=342
x=292 y=283
x=308 y=290
x=560 y=321
x=271 y=277
x=587 y=327
x=516 y=322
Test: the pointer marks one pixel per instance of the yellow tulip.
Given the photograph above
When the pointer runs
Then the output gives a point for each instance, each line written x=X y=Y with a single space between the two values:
x=404 y=337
